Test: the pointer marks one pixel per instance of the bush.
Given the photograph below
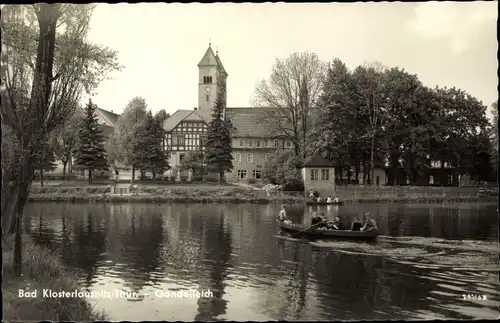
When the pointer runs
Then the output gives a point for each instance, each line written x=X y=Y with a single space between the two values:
x=55 y=177
x=70 y=190
x=293 y=185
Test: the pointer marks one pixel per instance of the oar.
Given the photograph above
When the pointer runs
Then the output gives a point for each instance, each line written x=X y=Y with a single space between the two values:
x=306 y=228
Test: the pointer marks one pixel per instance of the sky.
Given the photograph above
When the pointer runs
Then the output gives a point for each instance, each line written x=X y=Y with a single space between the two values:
x=159 y=45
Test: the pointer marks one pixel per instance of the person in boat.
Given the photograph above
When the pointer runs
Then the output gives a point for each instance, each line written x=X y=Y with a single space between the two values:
x=356 y=225
x=329 y=199
x=324 y=221
x=316 y=220
x=335 y=200
x=369 y=223
x=338 y=224
x=282 y=216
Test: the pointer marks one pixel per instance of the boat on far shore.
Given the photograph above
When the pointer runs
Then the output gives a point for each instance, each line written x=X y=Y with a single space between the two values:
x=324 y=203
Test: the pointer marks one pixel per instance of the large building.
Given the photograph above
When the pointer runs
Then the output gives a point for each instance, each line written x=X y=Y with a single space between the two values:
x=253 y=140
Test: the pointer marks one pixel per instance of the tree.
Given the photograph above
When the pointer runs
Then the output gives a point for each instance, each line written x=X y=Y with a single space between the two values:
x=338 y=128
x=193 y=160
x=122 y=140
x=282 y=169
x=90 y=153
x=369 y=85
x=218 y=146
x=148 y=152
x=45 y=159
x=65 y=138
x=162 y=115
x=291 y=93
x=45 y=64
x=409 y=124
x=494 y=136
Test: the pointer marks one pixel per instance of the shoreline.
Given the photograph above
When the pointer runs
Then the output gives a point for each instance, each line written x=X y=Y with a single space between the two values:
x=108 y=198
x=42 y=270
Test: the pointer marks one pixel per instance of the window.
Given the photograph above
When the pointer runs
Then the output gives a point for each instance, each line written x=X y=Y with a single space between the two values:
x=314 y=174
x=266 y=157
x=257 y=174
x=288 y=144
x=207 y=97
x=431 y=180
x=178 y=140
x=237 y=157
x=450 y=179
x=181 y=157
x=242 y=143
x=242 y=173
x=266 y=143
x=250 y=158
x=207 y=79
x=276 y=143
x=325 y=174
x=257 y=143
x=250 y=143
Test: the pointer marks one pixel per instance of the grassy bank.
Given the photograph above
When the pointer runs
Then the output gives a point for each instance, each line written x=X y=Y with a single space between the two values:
x=41 y=270
x=213 y=194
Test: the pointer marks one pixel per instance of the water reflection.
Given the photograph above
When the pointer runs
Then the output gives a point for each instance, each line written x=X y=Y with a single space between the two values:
x=234 y=251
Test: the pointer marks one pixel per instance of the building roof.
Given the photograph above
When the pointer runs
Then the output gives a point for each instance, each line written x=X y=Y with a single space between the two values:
x=317 y=160
x=209 y=58
x=185 y=115
x=220 y=64
x=251 y=123
x=110 y=116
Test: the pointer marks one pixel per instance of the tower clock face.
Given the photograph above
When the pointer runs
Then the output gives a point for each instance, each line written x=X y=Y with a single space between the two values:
x=207 y=89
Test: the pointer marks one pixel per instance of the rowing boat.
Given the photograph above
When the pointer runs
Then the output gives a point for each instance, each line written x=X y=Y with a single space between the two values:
x=314 y=233
x=324 y=203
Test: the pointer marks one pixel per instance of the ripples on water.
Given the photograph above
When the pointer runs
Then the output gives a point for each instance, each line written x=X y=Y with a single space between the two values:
x=425 y=260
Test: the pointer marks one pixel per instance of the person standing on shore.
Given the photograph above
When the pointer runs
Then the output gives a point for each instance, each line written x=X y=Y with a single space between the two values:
x=117 y=175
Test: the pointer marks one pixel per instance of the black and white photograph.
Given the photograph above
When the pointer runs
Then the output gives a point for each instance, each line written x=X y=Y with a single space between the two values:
x=250 y=161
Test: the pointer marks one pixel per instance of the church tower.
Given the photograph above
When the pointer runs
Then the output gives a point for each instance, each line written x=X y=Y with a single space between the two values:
x=212 y=78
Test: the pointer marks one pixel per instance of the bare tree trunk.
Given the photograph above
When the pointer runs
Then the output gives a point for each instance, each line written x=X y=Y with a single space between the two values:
x=364 y=172
x=90 y=175
x=372 y=166
x=64 y=169
x=41 y=177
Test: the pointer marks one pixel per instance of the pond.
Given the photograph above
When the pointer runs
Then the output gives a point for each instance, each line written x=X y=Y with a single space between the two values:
x=426 y=259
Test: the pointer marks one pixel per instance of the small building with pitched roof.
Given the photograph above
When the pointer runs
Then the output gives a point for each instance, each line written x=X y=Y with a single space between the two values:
x=318 y=173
